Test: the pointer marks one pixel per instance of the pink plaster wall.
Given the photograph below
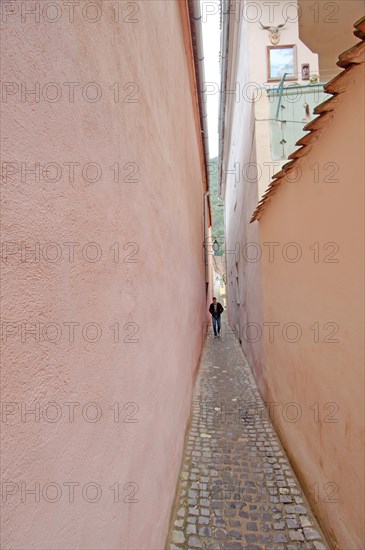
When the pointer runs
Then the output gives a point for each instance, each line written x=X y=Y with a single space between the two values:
x=323 y=430
x=163 y=292
x=244 y=306
x=242 y=241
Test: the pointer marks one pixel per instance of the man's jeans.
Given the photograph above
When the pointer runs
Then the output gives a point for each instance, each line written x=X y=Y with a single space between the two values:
x=216 y=325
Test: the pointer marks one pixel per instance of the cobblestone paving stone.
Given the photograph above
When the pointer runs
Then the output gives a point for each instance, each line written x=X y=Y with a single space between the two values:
x=237 y=489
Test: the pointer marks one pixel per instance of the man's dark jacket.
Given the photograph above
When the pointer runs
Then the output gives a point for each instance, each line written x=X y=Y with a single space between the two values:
x=219 y=309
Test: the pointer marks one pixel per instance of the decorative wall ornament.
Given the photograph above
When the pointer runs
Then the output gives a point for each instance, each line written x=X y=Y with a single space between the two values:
x=274 y=32
x=305 y=71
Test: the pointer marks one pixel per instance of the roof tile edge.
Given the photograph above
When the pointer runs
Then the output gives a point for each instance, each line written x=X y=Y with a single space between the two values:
x=347 y=60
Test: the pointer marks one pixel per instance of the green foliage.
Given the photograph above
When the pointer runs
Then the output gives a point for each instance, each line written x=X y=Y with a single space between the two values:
x=217 y=211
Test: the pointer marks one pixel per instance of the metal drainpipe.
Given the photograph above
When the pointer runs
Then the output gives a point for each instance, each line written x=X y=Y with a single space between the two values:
x=280 y=90
x=197 y=41
x=222 y=105
x=206 y=194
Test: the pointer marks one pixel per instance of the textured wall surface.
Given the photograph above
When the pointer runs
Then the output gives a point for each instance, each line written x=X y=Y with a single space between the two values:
x=295 y=290
x=313 y=291
x=63 y=305
x=244 y=300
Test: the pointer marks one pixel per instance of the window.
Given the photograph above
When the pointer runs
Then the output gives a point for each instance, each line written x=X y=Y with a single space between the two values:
x=281 y=60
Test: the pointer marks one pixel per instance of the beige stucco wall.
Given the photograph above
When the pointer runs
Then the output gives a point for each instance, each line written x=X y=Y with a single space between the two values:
x=274 y=13
x=314 y=373
x=271 y=13
x=162 y=293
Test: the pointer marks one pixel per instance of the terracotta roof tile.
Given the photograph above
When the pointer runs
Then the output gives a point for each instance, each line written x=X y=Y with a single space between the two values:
x=319 y=122
x=353 y=55
x=307 y=139
x=360 y=28
x=327 y=105
x=348 y=60
x=299 y=152
x=338 y=84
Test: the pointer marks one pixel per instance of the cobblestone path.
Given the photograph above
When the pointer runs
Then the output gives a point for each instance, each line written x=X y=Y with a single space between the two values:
x=237 y=489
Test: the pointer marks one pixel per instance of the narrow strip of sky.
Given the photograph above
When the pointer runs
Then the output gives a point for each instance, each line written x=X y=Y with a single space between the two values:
x=210 y=10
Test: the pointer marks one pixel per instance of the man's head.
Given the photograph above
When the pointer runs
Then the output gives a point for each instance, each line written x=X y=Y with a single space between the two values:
x=214 y=300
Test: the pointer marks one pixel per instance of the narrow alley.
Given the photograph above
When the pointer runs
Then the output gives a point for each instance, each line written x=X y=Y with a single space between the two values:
x=169 y=167
x=237 y=489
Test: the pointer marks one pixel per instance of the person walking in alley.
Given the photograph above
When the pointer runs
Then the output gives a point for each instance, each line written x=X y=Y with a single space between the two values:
x=215 y=309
